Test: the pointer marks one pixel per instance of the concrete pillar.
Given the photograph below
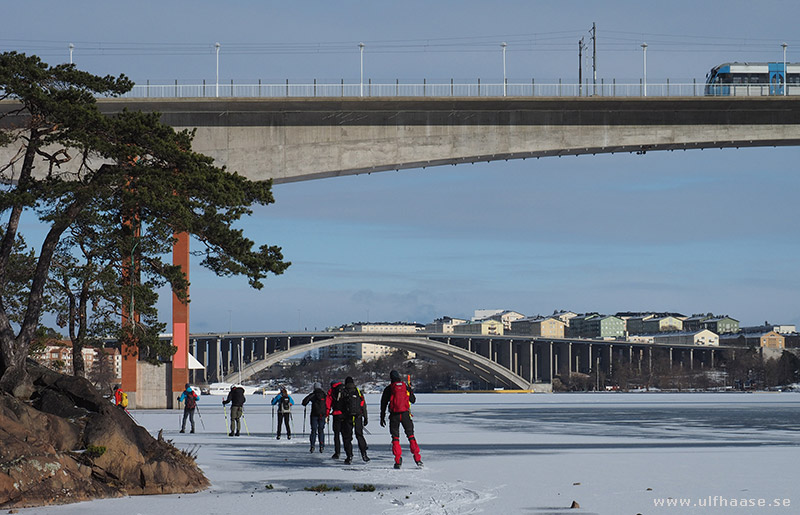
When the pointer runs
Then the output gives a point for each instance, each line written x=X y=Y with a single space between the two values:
x=180 y=319
x=569 y=356
x=610 y=359
x=531 y=362
x=219 y=359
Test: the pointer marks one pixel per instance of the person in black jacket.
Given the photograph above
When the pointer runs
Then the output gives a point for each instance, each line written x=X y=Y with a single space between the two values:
x=237 y=400
x=354 y=418
x=318 y=412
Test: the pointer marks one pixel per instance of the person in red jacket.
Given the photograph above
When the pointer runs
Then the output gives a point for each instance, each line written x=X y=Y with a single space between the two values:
x=333 y=405
x=399 y=397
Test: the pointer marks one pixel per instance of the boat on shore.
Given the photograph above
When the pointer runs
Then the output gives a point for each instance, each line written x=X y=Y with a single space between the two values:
x=224 y=388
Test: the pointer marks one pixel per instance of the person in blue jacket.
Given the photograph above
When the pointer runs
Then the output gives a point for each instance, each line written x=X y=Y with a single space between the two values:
x=284 y=402
x=190 y=396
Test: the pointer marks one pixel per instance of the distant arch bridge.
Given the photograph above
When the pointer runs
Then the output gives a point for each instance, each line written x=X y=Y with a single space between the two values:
x=510 y=362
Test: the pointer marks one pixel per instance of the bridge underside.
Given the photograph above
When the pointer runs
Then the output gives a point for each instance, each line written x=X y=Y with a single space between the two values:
x=295 y=140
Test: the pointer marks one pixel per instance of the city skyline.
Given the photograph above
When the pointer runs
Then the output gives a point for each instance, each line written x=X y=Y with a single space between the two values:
x=693 y=231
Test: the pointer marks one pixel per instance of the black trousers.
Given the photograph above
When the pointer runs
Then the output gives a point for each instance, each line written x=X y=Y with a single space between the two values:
x=337 y=433
x=350 y=425
x=284 y=417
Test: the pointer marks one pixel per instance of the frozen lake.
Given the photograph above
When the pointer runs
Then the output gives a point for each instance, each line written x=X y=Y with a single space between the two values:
x=503 y=453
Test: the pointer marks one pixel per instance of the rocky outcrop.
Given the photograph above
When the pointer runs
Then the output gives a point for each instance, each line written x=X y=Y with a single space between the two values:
x=69 y=444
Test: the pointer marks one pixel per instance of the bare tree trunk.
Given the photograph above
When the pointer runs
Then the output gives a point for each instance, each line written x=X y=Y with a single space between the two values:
x=14 y=351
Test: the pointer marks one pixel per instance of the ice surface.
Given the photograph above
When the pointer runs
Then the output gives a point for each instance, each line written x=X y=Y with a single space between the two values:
x=500 y=453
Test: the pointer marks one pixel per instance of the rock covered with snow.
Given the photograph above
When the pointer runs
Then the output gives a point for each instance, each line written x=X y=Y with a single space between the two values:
x=69 y=444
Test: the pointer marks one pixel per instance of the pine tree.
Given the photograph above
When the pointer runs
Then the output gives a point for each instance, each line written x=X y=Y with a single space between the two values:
x=84 y=174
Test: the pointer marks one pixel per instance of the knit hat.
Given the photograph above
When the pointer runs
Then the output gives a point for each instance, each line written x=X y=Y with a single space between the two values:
x=317 y=385
x=394 y=375
x=349 y=380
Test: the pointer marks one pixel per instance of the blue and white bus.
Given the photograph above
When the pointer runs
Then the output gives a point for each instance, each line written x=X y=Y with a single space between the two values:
x=753 y=79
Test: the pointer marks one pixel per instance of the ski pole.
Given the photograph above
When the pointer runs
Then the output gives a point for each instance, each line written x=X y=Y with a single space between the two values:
x=273 y=419
x=245 y=424
x=132 y=417
x=225 y=412
x=304 y=419
x=201 y=417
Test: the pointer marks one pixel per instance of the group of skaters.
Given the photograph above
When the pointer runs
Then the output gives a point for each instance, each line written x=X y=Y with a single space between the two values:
x=344 y=403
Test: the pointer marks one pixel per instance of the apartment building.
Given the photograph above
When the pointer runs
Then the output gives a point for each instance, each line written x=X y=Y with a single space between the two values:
x=721 y=325
x=486 y=327
x=367 y=351
x=59 y=357
x=548 y=327
x=443 y=325
x=702 y=337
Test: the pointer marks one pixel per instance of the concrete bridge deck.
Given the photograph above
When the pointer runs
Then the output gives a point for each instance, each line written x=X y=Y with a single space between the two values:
x=297 y=139
x=289 y=140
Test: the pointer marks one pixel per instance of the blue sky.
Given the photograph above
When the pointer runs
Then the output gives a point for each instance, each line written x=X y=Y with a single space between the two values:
x=696 y=231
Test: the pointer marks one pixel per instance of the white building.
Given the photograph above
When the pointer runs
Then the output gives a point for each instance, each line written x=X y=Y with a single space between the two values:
x=506 y=317
x=702 y=337
x=443 y=325
x=367 y=351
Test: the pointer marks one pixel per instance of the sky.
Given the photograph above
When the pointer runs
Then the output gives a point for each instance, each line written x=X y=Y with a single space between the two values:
x=689 y=232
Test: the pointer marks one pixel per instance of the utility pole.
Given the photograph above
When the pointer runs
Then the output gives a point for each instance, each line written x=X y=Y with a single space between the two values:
x=581 y=46
x=594 y=59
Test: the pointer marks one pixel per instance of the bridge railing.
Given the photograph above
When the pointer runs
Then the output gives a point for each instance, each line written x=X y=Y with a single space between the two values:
x=452 y=89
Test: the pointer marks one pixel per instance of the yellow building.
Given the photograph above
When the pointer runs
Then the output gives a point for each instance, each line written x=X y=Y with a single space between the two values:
x=772 y=340
x=488 y=327
x=548 y=327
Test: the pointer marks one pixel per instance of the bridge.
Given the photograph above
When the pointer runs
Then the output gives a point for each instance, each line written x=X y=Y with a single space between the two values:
x=511 y=361
x=298 y=139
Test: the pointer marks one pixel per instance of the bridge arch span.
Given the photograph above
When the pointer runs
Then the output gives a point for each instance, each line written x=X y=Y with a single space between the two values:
x=476 y=365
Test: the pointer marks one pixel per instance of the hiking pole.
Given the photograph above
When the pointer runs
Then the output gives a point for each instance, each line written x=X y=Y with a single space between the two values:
x=132 y=417
x=201 y=417
x=245 y=424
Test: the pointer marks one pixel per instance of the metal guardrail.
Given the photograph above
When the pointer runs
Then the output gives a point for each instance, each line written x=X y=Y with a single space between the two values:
x=452 y=89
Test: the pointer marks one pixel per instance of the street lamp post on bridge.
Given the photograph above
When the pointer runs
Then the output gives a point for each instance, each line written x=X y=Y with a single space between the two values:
x=644 y=69
x=216 y=45
x=361 y=82
x=785 y=70
x=505 y=80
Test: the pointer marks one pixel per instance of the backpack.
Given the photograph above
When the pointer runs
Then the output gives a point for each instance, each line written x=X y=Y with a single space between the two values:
x=318 y=403
x=351 y=402
x=399 y=402
x=123 y=399
x=286 y=405
x=191 y=402
x=336 y=397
